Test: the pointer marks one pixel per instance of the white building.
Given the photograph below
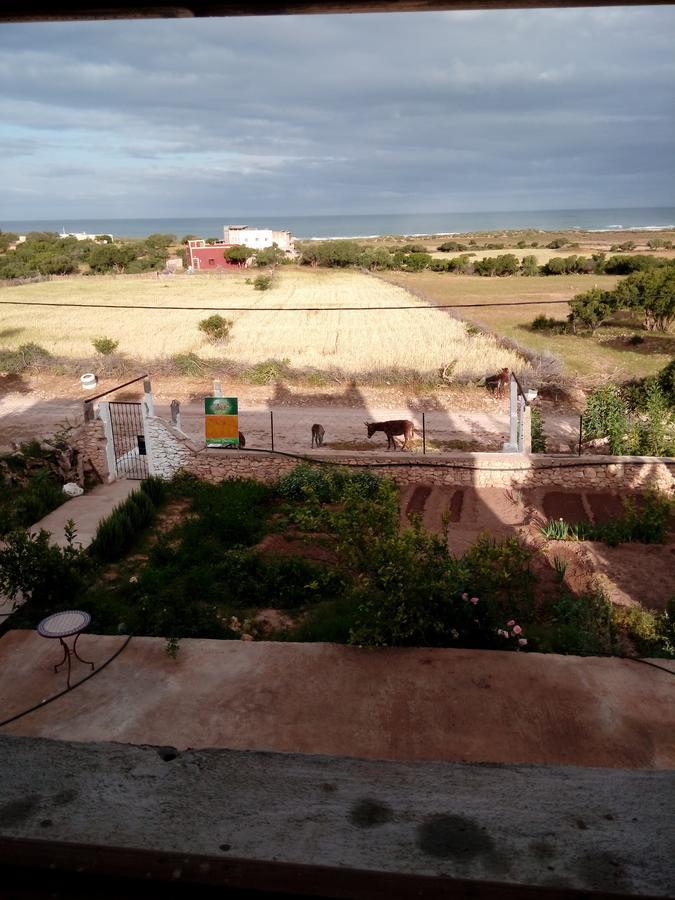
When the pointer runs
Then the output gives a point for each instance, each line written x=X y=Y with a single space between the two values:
x=259 y=238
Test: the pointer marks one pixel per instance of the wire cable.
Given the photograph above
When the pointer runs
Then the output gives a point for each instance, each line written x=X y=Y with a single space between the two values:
x=265 y=309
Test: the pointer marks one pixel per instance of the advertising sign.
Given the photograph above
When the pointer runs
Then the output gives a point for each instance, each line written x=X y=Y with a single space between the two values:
x=221 y=421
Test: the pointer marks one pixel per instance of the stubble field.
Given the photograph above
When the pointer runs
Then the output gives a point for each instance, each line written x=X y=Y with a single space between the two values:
x=419 y=339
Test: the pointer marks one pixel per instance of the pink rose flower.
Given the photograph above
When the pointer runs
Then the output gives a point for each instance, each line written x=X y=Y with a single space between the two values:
x=522 y=641
x=474 y=600
x=517 y=629
x=510 y=623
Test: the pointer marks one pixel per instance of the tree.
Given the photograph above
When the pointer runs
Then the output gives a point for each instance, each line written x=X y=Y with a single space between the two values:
x=651 y=292
x=452 y=246
x=592 y=308
x=376 y=259
x=111 y=257
x=529 y=266
x=507 y=264
x=269 y=256
x=237 y=254
x=416 y=262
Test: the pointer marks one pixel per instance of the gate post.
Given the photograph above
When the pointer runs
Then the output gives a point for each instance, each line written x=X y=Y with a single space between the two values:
x=147 y=410
x=104 y=416
x=147 y=396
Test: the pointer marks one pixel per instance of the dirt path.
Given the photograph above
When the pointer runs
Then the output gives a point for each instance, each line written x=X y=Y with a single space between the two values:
x=455 y=420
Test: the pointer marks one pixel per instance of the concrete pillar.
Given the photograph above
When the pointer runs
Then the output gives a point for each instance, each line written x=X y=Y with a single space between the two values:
x=512 y=445
x=526 y=430
x=104 y=416
x=217 y=388
x=150 y=450
x=148 y=399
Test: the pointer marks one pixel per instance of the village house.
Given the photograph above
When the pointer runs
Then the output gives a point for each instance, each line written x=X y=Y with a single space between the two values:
x=203 y=255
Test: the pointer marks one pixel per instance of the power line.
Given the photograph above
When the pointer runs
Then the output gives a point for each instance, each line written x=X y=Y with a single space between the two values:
x=281 y=308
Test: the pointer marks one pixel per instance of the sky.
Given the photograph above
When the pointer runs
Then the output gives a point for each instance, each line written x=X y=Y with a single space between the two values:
x=309 y=115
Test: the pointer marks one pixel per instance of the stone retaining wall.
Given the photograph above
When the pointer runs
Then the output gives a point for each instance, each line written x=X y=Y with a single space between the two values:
x=90 y=441
x=171 y=451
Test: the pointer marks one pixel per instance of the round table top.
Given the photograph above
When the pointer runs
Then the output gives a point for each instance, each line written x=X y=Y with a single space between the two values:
x=64 y=624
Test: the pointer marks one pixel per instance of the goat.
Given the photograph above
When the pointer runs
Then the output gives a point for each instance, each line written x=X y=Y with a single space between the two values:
x=390 y=428
x=498 y=382
x=318 y=432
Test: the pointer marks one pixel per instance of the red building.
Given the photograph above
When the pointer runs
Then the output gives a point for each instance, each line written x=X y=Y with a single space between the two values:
x=209 y=256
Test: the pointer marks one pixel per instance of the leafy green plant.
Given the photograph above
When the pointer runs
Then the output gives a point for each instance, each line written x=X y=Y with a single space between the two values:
x=262 y=282
x=647 y=522
x=44 y=576
x=549 y=325
x=216 y=328
x=538 y=436
x=119 y=531
x=156 y=488
x=105 y=345
x=190 y=365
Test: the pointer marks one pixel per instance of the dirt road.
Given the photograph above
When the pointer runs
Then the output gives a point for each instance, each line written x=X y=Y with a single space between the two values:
x=26 y=416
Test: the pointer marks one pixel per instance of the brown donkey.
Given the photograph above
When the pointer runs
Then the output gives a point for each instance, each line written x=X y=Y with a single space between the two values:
x=393 y=427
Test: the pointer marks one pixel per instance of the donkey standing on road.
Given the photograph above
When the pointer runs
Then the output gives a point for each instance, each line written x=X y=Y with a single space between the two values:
x=498 y=383
x=390 y=428
x=318 y=432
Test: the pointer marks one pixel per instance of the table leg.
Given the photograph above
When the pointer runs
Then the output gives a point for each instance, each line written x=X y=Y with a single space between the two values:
x=65 y=655
x=86 y=661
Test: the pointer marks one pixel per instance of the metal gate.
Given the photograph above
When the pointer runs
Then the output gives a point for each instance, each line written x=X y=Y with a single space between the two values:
x=126 y=420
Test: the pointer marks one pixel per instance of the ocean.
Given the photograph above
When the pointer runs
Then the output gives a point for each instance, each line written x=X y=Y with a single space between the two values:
x=346 y=226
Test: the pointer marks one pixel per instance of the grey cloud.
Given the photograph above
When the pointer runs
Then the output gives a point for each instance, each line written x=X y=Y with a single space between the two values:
x=348 y=113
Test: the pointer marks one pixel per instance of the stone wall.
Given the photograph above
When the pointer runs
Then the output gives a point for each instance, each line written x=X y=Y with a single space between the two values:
x=90 y=441
x=171 y=450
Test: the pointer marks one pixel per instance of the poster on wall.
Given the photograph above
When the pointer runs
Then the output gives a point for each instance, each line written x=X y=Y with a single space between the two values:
x=221 y=421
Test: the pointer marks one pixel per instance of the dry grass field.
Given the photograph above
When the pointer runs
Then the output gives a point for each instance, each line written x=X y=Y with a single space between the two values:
x=609 y=353
x=420 y=339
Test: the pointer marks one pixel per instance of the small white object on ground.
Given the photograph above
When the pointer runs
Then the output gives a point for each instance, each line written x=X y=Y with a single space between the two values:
x=88 y=381
x=72 y=489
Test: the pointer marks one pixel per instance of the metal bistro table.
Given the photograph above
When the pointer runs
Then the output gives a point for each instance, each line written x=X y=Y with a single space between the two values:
x=64 y=625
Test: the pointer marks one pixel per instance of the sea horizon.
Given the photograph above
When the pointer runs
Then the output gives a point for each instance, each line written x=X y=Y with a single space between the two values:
x=362 y=225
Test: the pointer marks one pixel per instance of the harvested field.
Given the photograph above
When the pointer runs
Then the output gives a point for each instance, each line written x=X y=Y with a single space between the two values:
x=415 y=339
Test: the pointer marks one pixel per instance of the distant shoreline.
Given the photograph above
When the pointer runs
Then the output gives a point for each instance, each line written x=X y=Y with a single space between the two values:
x=372 y=227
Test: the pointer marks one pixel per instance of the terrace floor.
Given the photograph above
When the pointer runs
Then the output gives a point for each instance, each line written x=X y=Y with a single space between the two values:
x=394 y=704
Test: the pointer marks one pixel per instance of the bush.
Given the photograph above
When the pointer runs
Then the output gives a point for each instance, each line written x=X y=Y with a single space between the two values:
x=48 y=578
x=118 y=532
x=190 y=365
x=581 y=624
x=42 y=494
x=647 y=523
x=268 y=371
x=156 y=488
x=216 y=328
x=262 y=282
x=538 y=436
x=25 y=357
x=549 y=325
x=105 y=345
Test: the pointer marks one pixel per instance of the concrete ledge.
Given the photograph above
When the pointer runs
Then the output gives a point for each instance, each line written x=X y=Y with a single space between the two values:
x=462 y=826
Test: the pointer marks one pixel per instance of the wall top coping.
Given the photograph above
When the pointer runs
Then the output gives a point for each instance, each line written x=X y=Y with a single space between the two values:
x=478 y=459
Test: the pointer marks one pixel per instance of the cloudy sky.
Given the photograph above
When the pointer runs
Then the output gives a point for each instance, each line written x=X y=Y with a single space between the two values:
x=435 y=112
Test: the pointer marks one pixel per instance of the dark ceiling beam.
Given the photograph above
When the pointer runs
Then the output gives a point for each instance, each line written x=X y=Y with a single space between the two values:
x=67 y=10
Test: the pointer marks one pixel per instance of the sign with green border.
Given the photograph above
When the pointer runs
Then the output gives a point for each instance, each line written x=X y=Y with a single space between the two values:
x=221 y=421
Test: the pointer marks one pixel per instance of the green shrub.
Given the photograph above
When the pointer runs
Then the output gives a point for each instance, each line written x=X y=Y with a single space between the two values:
x=581 y=624
x=48 y=578
x=27 y=356
x=156 y=488
x=549 y=325
x=538 y=436
x=216 y=328
x=118 y=532
x=190 y=365
x=42 y=494
x=647 y=523
x=262 y=282
x=267 y=372
x=330 y=621
x=105 y=345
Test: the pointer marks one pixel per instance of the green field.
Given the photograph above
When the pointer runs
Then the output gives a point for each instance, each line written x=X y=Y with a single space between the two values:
x=607 y=353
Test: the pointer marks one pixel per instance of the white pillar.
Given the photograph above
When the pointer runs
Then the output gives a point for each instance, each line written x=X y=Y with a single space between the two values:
x=512 y=445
